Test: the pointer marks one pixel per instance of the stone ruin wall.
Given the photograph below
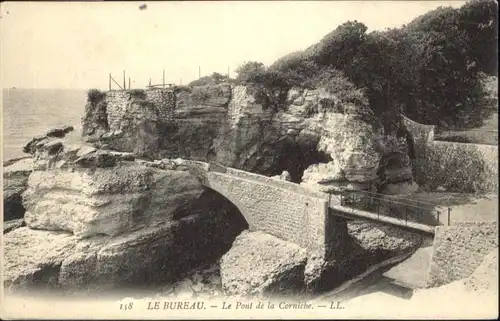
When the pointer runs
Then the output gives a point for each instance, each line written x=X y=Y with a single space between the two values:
x=117 y=102
x=164 y=100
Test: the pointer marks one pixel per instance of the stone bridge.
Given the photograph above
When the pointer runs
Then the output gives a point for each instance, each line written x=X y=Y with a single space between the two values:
x=283 y=209
x=289 y=211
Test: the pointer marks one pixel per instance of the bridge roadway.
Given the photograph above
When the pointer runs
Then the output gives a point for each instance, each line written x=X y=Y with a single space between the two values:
x=288 y=210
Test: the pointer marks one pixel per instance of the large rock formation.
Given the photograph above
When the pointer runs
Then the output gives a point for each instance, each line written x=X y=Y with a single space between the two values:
x=338 y=144
x=98 y=217
x=261 y=264
x=16 y=171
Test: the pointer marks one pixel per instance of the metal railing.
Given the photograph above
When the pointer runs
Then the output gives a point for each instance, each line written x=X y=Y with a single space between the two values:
x=403 y=209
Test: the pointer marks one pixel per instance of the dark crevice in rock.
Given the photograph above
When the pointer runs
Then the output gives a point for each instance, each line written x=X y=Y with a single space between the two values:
x=297 y=158
x=47 y=275
x=13 y=207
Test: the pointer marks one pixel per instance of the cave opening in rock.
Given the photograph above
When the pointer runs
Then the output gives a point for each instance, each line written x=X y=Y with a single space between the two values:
x=296 y=158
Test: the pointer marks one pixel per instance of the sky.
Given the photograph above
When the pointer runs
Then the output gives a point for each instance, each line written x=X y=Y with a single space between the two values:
x=76 y=45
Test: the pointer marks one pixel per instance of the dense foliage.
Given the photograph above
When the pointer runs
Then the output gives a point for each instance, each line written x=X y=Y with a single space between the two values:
x=431 y=69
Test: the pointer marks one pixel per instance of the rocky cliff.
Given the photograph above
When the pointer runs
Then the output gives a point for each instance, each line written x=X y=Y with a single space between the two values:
x=97 y=217
x=319 y=139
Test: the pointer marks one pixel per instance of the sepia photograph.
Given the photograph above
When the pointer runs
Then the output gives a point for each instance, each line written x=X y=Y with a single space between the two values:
x=249 y=159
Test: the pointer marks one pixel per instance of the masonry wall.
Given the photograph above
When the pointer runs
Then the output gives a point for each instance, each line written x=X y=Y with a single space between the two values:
x=164 y=100
x=459 y=249
x=457 y=167
x=117 y=101
x=292 y=216
x=275 y=182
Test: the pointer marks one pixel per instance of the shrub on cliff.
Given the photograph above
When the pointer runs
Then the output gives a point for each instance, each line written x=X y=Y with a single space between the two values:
x=250 y=71
x=335 y=82
x=137 y=93
x=270 y=87
x=181 y=88
x=214 y=79
x=95 y=95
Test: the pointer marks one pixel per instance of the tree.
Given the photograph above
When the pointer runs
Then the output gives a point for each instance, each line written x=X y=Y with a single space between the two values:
x=479 y=19
x=430 y=69
x=250 y=71
x=218 y=78
x=339 y=46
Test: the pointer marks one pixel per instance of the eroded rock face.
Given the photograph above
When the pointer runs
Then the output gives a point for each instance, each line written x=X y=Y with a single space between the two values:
x=100 y=201
x=261 y=264
x=92 y=192
x=106 y=218
x=45 y=139
x=95 y=119
x=229 y=125
x=138 y=132
x=15 y=179
x=149 y=255
x=376 y=237
x=34 y=257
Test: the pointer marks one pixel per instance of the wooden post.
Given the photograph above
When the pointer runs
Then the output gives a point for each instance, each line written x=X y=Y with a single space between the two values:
x=124 y=84
x=128 y=83
x=150 y=81
x=449 y=212
x=109 y=81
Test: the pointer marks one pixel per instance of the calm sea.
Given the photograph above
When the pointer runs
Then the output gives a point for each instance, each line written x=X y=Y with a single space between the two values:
x=30 y=112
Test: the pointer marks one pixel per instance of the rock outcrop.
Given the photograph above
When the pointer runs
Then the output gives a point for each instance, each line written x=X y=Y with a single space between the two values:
x=16 y=171
x=261 y=264
x=15 y=179
x=382 y=238
x=328 y=148
x=201 y=283
x=99 y=217
x=12 y=225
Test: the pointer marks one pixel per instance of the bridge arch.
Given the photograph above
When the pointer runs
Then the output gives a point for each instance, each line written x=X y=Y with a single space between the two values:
x=231 y=197
x=283 y=209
